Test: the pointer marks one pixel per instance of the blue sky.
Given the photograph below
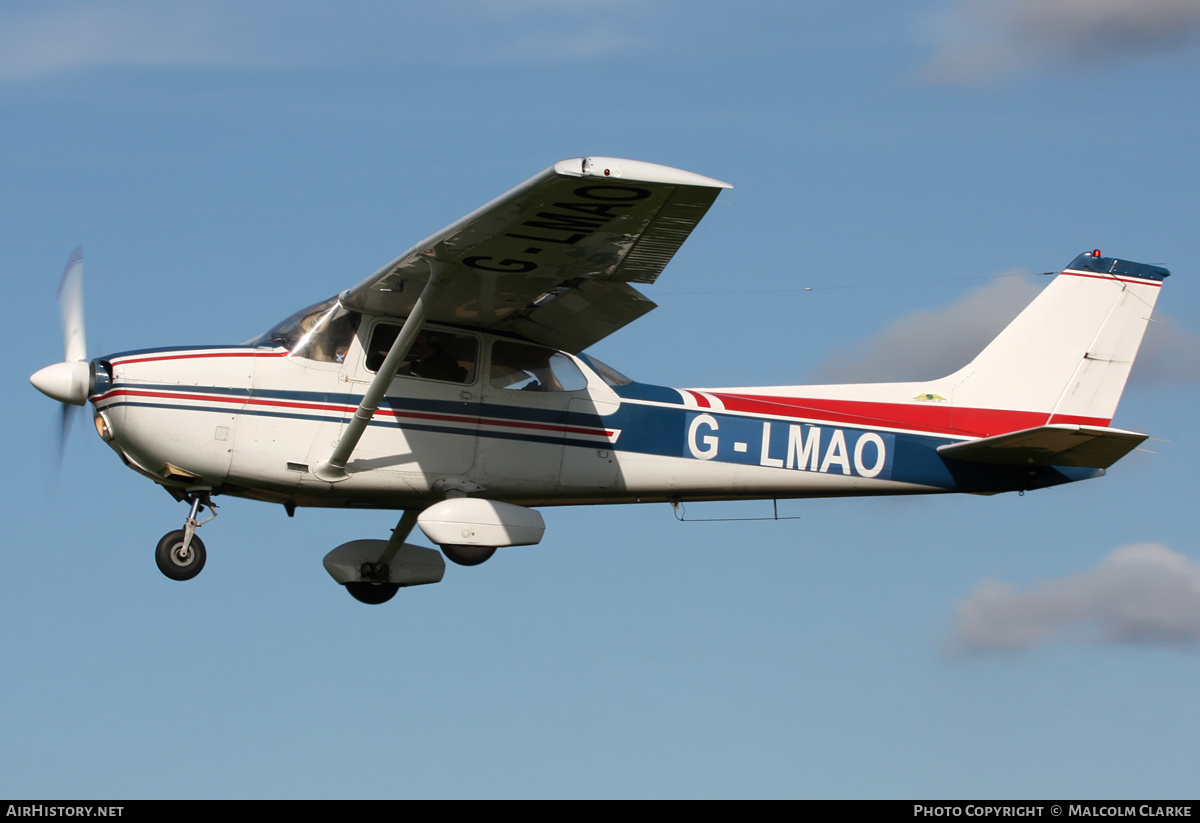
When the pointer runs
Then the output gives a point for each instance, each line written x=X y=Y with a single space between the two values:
x=915 y=164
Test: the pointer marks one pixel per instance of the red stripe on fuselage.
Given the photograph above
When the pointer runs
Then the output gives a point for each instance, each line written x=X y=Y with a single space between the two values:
x=939 y=418
x=193 y=356
x=338 y=407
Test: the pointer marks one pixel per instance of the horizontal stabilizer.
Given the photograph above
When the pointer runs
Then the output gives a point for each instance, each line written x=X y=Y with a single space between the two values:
x=1060 y=444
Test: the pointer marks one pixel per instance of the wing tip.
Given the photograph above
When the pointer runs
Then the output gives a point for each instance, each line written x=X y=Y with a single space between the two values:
x=635 y=170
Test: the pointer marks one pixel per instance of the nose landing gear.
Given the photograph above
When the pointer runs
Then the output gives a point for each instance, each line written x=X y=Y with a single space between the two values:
x=180 y=554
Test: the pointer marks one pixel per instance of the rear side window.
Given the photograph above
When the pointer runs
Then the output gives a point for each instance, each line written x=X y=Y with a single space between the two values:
x=526 y=367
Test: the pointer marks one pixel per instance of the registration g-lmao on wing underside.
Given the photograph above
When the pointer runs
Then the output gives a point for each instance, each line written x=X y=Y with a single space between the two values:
x=551 y=261
x=451 y=385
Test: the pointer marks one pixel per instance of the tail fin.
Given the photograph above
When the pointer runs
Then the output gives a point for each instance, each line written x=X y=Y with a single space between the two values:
x=1068 y=354
x=1062 y=362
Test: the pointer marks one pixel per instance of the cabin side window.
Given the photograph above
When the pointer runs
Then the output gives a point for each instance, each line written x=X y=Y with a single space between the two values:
x=525 y=367
x=435 y=355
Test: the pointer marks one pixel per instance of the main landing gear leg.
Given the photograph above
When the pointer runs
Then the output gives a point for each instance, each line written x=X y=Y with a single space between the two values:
x=180 y=554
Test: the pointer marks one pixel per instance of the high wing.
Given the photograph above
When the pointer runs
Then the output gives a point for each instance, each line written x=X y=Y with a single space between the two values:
x=553 y=258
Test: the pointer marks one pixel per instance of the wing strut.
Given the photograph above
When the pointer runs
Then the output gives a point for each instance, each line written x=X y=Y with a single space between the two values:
x=333 y=470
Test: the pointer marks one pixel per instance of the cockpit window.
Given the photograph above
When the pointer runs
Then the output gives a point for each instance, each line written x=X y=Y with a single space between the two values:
x=524 y=367
x=322 y=331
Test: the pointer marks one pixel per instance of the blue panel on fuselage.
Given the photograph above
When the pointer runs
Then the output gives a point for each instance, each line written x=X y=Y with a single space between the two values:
x=816 y=446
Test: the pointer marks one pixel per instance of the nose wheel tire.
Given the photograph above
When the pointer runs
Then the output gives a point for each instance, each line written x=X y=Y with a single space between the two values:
x=174 y=562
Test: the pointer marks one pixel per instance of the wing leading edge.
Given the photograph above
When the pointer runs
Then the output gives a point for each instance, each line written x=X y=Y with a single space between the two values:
x=552 y=259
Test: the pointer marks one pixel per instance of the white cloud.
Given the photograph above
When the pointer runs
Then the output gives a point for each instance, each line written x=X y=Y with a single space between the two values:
x=1169 y=354
x=63 y=38
x=929 y=344
x=984 y=39
x=57 y=38
x=1140 y=594
x=541 y=47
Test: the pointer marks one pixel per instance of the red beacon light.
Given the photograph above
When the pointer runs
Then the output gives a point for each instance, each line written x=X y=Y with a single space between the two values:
x=1095 y=252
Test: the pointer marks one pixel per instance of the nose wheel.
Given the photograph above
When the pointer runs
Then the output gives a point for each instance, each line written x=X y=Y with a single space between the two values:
x=180 y=554
x=178 y=558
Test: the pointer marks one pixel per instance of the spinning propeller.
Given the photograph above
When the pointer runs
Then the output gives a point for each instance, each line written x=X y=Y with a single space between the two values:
x=69 y=382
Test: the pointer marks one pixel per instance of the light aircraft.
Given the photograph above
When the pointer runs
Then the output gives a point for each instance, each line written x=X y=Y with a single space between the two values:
x=452 y=385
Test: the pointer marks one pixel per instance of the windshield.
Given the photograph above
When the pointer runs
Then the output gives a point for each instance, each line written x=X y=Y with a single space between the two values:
x=322 y=331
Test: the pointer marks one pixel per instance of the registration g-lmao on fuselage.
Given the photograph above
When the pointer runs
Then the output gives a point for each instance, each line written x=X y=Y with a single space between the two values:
x=452 y=385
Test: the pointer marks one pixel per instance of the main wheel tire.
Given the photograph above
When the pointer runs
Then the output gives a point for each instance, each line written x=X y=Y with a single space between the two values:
x=171 y=560
x=468 y=555
x=372 y=593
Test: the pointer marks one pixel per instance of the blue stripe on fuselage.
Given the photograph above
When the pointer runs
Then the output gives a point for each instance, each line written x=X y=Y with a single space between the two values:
x=673 y=431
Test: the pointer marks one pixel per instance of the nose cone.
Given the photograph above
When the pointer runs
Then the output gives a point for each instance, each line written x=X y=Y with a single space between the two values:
x=65 y=382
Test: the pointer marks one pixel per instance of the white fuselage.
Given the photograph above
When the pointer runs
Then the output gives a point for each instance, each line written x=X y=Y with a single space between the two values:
x=255 y=421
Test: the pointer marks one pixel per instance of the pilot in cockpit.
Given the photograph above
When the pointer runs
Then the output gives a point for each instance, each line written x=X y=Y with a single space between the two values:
x=429 y=360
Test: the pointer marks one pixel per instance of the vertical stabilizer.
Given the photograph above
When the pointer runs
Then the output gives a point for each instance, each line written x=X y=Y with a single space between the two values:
x=1063 y=360
x=1068 y=354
